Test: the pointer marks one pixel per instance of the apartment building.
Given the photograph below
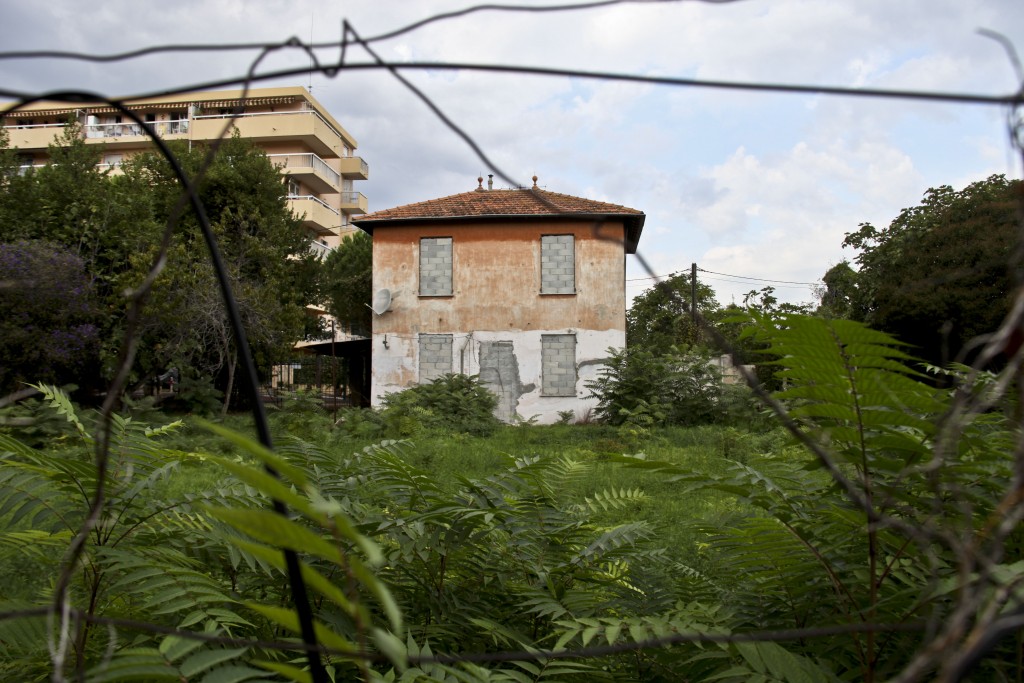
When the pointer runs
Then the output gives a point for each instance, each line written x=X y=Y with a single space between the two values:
x=314 y=152
x=524 y=287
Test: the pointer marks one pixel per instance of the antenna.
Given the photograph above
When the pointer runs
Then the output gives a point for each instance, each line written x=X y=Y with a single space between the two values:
x=311 y=16
x=381 y=301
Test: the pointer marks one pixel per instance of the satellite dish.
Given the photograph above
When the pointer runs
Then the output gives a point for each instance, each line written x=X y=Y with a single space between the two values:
x=381 y=301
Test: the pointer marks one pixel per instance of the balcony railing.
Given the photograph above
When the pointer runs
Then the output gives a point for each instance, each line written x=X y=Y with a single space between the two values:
x=117 y=130
x=319 y=249
x=316 y=200
x=304 y=161
x=307 y=124
x=354 y=167
x=353 y=202
x=21 y=126
x=317 y=215
x=25 y=168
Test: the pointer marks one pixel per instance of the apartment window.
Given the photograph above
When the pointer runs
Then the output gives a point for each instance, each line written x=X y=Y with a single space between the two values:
x=436 y=266
x=557 y=264
x=558 y=364
x=293 y=187
x=435 y=356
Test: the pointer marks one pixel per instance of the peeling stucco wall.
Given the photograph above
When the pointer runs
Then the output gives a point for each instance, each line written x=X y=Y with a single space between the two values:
x=496 y=297
x=394 y=368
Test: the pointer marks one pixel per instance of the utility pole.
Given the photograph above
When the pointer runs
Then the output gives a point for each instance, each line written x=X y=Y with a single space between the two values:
x=693 y=294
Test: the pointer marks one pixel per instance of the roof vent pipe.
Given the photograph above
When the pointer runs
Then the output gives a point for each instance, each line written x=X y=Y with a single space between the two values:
x=490 y=181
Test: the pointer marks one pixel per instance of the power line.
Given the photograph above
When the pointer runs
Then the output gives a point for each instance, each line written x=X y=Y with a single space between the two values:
x=759 y=279
x=726 y=275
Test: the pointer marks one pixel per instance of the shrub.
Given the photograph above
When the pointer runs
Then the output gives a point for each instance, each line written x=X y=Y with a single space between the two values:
x=302 y=414
x=456 y=403
x=676 y=388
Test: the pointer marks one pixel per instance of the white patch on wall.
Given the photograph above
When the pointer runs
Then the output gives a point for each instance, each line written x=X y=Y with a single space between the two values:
x=396 y=368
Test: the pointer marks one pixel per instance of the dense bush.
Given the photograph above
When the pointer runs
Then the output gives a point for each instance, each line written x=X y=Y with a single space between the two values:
x=48 y=317
x=640 y=387
x=456 y=403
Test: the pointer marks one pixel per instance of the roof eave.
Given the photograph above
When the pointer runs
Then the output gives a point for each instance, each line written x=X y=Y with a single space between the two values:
x=633 y=223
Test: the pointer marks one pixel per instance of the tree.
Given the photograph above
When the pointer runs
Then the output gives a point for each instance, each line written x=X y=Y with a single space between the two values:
x=114 y=225
x=348 y=282
x=49 y=317
x=265 y=250
x=940 y=275
x=661 y=317
x=678 y=387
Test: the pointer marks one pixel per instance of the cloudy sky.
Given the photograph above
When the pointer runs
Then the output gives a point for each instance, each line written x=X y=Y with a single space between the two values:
x=746 y=184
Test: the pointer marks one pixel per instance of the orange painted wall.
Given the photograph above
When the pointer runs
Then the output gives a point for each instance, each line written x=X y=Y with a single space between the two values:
x=496 y=278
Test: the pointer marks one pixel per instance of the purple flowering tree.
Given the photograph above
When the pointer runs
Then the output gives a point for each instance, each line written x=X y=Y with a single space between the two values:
x=48 y=316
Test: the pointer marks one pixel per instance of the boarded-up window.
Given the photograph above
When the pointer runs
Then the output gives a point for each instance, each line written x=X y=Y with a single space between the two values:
x=435 y=356
x=436 y=266
x=499 y=372
x=557 y=264
x=558 y=364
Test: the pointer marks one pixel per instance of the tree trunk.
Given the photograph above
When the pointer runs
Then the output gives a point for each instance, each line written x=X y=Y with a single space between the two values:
x=232 y=362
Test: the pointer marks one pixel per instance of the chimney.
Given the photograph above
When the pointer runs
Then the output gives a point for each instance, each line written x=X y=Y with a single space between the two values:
x=490 y=181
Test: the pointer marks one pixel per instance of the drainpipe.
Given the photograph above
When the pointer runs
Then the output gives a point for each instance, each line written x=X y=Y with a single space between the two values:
x=462 y=354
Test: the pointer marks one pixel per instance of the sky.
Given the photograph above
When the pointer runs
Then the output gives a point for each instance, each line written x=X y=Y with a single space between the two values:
x=755 y=188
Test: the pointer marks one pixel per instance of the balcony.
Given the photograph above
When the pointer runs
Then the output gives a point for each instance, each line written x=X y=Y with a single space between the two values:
x=307 y=127
x=310 y=170
x=354 y=168
x=25 y=168
x=315 y=214
x=33 y=137
x=114 y=135
x=319 y=249
x=353 y=202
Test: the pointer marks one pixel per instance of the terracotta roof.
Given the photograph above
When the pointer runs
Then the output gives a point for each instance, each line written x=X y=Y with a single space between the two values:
x=504 y=204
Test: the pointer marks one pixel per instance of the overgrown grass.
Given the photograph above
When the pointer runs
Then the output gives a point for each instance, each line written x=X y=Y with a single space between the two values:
x=451 y=458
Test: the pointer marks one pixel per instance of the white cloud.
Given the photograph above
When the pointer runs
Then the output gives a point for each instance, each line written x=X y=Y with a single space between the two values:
x=743 y=183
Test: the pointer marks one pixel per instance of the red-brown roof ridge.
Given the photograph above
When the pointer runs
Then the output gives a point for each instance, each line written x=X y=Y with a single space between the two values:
x=518 y=202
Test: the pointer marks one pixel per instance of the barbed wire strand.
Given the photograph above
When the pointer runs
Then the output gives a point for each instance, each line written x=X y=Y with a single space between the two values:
x=394 y=68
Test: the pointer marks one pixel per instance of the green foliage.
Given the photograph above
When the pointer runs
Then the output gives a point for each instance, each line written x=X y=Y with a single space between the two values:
x=661 y=318
x=453 y=402
x=886 y=535
x=106 y=230
x=197 y=394
x=126 y=570
x=347 y=282
x=940 y=274
x=301 y=414
x=865 y=525
x=637 y=387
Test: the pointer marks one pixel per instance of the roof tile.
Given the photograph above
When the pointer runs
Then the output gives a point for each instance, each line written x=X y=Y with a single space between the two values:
x=529 y=202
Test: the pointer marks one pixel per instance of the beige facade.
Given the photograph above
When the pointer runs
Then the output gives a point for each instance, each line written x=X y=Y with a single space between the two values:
x=525 y=288
x=313 y=150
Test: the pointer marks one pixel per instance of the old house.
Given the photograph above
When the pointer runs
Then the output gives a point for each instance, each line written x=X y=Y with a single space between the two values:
x=524 y=287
